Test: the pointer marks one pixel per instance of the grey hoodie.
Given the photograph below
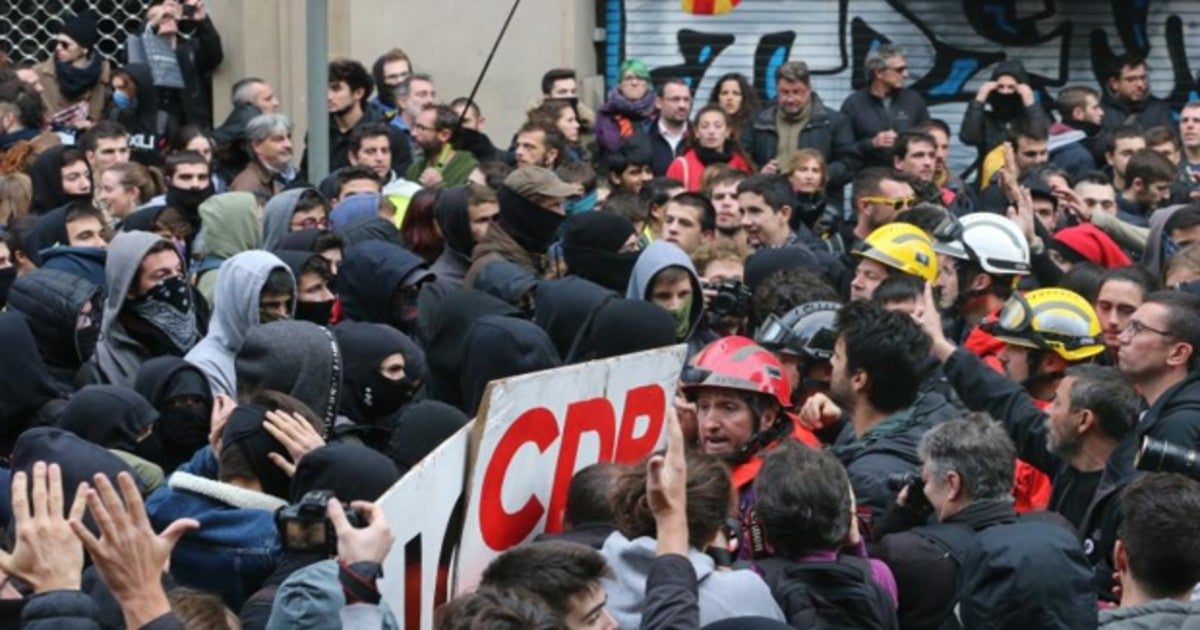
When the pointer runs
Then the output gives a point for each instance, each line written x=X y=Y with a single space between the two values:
x=721 y=594
x=235 y=311
x=658 y=256
x=277 y=217
x=1159 y=614
x=118 y=355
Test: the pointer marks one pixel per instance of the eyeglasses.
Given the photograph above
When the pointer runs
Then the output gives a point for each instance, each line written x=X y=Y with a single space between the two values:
x=1135 y=327
x=897 y=203
x=309 y=223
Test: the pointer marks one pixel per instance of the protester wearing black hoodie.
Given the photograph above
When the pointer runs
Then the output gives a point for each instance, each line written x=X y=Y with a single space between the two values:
x=29 y=394
x=46 y=177
x=378 y=282
x=54 y=303
x=111 y=416
x=985 y=124
x=48 y=245
x=594 y=248
x=373 y=396
x=421 y=427
x=445 y=333
x=607 y=332
x=502 y=347
x=562 y=307
x=453 y=216
x=180 y=393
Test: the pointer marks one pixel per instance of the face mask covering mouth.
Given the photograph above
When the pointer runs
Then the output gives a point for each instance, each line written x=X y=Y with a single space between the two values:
x=683 y=319
x=318 y=313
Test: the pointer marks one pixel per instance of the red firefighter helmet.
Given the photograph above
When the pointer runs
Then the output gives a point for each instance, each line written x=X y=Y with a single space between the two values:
x=738 y=363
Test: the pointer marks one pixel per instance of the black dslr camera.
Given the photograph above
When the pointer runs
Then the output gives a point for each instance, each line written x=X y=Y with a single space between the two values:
x=1163 y=456
x=733 y=298
x=305 y=527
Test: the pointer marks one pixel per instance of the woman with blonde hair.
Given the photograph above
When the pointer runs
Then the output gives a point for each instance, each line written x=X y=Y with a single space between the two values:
x=127 y=187
x=16 y=195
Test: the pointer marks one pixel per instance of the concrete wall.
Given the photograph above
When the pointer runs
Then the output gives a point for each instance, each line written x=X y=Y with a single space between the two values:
x=449 y=39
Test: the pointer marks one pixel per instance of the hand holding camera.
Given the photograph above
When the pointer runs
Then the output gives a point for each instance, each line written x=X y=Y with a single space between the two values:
x=369 y=541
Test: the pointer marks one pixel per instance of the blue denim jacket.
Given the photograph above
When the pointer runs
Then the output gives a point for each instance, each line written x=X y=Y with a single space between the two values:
x=231 y=554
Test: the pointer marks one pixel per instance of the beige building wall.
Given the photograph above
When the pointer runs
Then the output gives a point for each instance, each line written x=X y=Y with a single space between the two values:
x=449 y=39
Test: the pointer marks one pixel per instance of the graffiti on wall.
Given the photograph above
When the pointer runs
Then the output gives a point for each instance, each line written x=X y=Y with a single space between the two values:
x=950 y=46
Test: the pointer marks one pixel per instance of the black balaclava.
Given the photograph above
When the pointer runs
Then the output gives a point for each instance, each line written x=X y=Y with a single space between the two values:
x=181 y=428
x=591 y=242
x=372 y=398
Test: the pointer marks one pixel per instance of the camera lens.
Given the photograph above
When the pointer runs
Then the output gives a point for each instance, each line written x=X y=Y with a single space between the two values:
x=1163 y=456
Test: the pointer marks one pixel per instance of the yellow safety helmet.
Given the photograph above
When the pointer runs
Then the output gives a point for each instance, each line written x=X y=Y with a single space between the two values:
x=1050 y=319
x=903 y=247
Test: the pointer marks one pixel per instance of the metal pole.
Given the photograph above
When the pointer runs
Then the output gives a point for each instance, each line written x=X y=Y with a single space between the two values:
x=487 y=63
x=317 y=57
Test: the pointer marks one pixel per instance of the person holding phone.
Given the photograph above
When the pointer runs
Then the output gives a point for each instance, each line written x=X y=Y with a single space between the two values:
x=182 y=66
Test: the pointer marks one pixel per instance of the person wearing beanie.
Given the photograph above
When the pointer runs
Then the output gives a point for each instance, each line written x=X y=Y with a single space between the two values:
x=1085 y=242
x=629 y=109
x=74 y=78
x=1000 y=101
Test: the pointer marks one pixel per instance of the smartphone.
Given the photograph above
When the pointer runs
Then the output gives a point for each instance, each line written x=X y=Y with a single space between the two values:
x=189 y=11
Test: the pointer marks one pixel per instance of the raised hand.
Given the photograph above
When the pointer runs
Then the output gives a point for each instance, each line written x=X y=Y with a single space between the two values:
x=47 y=556
x=295 y=434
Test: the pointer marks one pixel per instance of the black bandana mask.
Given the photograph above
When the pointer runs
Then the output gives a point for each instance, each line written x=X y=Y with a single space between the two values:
x=318 y=313
x=188 y=200
x=1006 y=106
x=168 y=307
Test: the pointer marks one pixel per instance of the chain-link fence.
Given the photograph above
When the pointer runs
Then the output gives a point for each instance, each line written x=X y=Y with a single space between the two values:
x=27 y=27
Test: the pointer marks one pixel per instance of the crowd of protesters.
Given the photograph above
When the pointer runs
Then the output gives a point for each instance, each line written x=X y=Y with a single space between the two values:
x=913 y=398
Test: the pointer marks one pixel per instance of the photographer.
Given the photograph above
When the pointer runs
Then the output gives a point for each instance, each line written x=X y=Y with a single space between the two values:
x=727 y=300
x=184 y=79
x=966 y=476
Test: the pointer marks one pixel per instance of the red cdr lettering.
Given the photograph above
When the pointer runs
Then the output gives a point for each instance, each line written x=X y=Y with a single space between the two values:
x=500 y=528
x=649 y=401
x=594 y=415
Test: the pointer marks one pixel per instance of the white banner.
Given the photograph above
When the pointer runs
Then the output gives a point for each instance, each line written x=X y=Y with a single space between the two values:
x=540 y=429
x=424 y=509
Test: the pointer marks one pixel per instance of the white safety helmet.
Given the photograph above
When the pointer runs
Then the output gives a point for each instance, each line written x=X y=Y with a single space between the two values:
x=993 y=242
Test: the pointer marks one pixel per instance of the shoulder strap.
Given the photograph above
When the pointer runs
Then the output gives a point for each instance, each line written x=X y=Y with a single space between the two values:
x=954 y=538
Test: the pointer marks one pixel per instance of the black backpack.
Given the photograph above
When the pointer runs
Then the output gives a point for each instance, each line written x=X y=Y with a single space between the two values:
x=828 y=595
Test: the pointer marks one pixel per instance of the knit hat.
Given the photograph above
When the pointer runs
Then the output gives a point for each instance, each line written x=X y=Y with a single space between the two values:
x=1013 y=68
x=636 y=66
x=1087 y=241
x=82 y=28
